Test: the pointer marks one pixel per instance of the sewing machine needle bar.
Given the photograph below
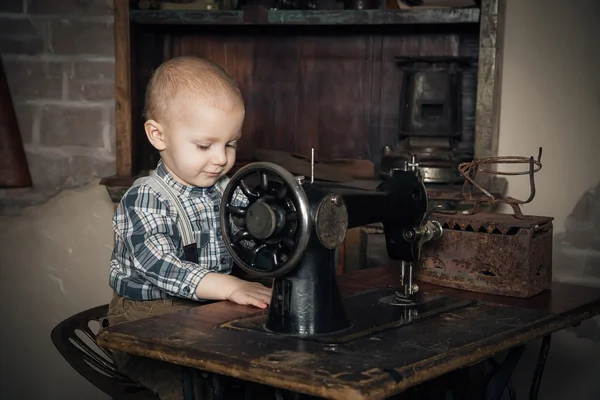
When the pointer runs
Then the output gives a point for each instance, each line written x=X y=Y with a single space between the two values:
x=312 y=165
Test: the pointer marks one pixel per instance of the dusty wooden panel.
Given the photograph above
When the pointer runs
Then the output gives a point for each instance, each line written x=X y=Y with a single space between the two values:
x=335 y=89
x=302 y=91
x=372 y=367
x=123 y=99
x=489 y=78
x=147 y=49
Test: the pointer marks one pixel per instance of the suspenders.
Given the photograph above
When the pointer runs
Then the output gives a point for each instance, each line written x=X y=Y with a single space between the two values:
x=183 y=222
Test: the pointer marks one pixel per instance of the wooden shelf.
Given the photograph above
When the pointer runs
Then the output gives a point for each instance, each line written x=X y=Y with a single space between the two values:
x=307 y=17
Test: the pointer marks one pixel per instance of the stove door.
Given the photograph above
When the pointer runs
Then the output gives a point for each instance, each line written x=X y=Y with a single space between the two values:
x=430 y=104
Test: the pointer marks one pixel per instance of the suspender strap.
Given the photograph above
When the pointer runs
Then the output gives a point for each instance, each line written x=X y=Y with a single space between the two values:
x=183 y=222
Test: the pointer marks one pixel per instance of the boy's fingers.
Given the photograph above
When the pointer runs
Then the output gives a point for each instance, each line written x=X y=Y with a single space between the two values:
x=257 y=302
x=266 y=298
x=262 y=290
x=263 y=295
x=251 y=300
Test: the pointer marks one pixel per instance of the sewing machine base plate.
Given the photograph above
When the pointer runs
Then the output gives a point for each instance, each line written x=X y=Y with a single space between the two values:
x=418 y=299
x=370 y=312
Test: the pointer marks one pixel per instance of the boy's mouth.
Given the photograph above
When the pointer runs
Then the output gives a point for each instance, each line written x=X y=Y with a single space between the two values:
x=212 y=173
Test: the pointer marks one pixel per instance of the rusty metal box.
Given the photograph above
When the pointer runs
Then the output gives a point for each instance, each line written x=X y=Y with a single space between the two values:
x=490 y=253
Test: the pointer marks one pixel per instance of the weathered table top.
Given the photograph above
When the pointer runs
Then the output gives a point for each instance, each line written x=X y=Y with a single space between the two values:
x=372 y=367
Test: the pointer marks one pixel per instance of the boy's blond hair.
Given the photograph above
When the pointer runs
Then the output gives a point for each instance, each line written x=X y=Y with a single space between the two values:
x=208 y=84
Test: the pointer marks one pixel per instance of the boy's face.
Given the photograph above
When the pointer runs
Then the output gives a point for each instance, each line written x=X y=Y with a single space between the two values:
x=198 y=142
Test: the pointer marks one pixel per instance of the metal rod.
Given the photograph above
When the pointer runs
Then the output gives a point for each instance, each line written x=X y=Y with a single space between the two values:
x=312 y=165
x=403 y=273
x=410 y=284
x=407 y=285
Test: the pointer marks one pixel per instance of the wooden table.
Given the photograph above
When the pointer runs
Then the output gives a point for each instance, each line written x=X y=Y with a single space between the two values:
x=373 y=367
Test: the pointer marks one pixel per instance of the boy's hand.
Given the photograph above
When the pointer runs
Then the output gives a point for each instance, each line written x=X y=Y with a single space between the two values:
x=251 y=293
x=215 y=286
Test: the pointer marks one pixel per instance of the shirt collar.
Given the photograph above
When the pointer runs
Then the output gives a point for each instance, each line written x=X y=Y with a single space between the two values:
x=179 y=187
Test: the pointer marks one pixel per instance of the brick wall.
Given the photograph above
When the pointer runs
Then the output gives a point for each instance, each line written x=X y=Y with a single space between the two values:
x=59 y=62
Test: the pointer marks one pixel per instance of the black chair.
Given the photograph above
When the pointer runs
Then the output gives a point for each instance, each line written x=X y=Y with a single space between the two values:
x=95 y=363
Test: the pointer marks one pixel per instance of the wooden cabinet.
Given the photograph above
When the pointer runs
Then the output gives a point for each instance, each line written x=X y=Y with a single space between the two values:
x=322 y=79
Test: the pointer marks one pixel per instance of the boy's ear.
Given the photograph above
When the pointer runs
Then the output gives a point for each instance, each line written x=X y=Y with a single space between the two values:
x=155 y=134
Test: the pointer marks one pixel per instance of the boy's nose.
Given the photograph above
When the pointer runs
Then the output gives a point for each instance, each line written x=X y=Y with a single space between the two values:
x=220 y=158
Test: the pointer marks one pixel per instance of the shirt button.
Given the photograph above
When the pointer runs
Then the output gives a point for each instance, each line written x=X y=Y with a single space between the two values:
x=186 y=289
x=216 y=208
x=223 y=260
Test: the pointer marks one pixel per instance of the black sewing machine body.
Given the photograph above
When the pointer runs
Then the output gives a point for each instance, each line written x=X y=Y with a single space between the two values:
x=289 y=231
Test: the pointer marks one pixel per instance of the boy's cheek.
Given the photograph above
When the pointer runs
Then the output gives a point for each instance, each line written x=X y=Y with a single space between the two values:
x=231 y=159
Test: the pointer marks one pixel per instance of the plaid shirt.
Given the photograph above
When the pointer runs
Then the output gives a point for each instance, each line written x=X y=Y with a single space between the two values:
x=148 y=261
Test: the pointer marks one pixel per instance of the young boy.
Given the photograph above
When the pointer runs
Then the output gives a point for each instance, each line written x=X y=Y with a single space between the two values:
x=194 y=115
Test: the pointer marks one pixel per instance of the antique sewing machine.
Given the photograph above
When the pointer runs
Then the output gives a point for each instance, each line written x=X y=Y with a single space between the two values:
x=289 y=230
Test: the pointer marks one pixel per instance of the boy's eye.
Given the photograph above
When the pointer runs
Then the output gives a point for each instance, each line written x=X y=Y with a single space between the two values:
x=232 y=145
x=203 y=146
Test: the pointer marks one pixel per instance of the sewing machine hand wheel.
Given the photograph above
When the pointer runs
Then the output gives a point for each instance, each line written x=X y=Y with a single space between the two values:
x=267 y=237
